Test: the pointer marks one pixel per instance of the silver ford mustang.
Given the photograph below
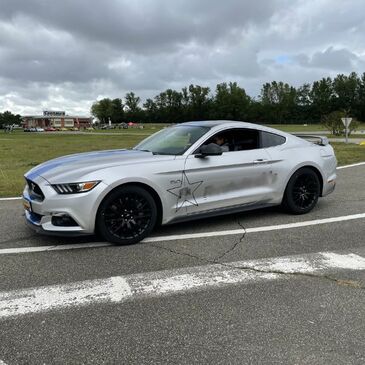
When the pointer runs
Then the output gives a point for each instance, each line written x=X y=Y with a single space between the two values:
x=188 y=171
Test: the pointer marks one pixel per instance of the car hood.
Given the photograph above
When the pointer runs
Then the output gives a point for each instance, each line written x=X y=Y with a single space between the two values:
x=73 y=167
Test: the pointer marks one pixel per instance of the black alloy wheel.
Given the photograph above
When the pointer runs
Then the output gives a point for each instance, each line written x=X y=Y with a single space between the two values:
x=127 y=215
x=302 y=192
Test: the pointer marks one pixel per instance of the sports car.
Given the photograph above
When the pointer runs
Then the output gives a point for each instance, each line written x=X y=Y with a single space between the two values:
x=183 y=172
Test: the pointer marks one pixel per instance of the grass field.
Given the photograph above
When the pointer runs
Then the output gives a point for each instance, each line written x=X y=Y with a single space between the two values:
x=308 y=128
x=20 y=151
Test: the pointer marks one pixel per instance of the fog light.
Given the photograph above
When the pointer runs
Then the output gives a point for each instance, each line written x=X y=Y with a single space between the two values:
x=63 y=221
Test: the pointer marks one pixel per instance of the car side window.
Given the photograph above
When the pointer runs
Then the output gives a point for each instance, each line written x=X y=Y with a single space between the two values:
x=236 y=139
x=271 y=139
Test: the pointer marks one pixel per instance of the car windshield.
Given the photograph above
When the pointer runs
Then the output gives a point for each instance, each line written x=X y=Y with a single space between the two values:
x=173 y=140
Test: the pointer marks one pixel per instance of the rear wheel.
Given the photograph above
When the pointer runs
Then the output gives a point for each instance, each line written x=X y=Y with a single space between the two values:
x=302 y=192
x=127 y=215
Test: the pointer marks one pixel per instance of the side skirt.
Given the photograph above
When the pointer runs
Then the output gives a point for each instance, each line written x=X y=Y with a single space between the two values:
x=218 y=212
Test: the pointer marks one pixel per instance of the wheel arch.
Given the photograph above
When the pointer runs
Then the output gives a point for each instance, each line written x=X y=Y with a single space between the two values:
x=144 y=186
x=319 y=175
x=314 y=169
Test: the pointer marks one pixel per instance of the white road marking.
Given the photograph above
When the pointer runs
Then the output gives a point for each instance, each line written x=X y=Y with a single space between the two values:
x=254 y=229
x=6 y=251
x=338 y=168
x=120 y=289
x=136 y=286
x=19 y=250
x=352 y=165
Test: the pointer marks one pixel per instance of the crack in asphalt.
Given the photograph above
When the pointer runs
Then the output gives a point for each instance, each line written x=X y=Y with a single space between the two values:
x=233 y=247
x=216 y=261
x=342 y=282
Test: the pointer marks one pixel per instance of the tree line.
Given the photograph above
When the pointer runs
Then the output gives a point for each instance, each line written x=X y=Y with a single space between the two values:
x=8 y=118
x=278 y=103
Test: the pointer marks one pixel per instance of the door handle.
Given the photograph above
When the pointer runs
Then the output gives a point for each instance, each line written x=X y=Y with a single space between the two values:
x=260 y=161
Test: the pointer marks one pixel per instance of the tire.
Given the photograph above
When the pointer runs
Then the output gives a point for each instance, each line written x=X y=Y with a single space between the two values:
x=127 y=215
x=302 y=192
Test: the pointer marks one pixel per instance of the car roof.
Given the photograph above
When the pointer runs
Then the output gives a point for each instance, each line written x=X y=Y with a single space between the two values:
x=233 y=124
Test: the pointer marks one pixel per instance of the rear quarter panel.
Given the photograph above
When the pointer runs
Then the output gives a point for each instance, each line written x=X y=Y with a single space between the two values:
x=288 y=158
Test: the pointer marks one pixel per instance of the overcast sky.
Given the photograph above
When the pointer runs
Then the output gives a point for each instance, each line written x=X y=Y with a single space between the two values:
x=63 y=55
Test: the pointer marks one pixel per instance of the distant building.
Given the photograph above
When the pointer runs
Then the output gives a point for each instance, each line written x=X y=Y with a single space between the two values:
x=56 y=119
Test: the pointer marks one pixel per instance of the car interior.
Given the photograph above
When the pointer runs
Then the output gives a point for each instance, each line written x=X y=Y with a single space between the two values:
x=238 y=139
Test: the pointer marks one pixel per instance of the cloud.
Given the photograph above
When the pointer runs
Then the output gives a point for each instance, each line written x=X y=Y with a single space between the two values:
x=65 y=55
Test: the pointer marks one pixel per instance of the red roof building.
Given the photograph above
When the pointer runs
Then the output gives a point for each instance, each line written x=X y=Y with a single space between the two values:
x=56 y=119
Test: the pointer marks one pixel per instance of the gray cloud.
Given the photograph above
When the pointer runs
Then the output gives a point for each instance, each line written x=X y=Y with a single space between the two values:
x=67 y=54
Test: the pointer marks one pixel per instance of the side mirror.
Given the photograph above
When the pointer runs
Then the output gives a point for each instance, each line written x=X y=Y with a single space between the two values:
x=210 y=149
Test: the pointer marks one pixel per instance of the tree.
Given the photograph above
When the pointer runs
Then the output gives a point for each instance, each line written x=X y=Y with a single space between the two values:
x=196 y=102
x=333 y=123
x=304 y=105
x=117 y=111
x=102 y=109
x=322 y=95
x=230 y=102
x=278 y=100
x=151 y=111
x=345 y=92
x=360 y=98
x=8 y=118
x=133 y=112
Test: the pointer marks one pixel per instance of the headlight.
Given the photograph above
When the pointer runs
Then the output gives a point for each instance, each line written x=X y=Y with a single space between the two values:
x=74 y=188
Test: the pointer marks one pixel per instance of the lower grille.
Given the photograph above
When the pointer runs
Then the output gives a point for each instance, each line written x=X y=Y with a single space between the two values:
x=63 y=221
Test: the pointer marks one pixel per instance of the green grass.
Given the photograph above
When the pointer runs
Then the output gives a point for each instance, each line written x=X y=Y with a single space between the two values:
x=20 y=151
x=147 y=128
x=297 y=127
x=348 y=153
x=290 y=128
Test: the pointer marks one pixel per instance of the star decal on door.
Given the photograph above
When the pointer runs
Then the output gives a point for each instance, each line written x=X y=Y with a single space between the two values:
x=185 y=192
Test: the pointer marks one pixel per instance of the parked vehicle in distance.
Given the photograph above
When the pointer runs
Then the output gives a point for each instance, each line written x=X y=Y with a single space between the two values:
x=188 y=171
x=50 y=129
x=39 y=129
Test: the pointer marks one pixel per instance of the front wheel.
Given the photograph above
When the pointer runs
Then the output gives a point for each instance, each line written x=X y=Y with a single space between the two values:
x=127 y=215
x=302 y=192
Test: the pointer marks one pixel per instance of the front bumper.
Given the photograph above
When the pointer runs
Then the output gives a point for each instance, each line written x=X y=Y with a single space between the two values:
x=35 y=226
x=80 y=208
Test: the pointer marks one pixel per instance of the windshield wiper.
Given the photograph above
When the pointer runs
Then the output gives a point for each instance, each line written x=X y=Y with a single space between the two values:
x=155 y=153
x=136 y=149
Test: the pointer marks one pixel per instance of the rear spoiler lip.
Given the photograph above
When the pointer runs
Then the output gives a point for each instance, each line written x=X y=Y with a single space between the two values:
x=320 y=140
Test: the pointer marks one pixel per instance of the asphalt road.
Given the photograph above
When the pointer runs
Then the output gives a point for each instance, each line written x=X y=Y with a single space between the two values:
x=255 y=298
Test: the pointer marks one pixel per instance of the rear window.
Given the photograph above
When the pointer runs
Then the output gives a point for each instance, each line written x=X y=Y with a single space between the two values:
x=271 y=139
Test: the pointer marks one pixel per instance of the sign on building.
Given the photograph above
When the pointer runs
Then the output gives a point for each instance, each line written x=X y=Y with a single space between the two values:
x=55 y=113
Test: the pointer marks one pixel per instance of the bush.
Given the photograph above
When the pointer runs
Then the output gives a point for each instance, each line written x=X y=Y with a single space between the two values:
x=334 y=124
